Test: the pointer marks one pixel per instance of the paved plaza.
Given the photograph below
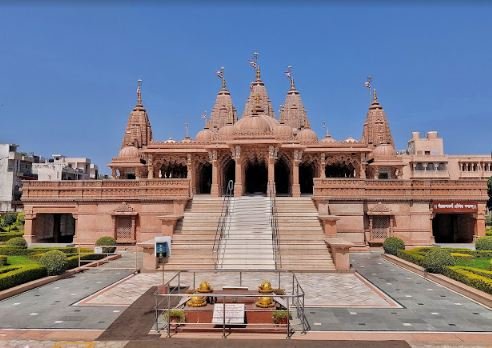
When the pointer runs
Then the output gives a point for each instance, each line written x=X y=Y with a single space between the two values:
x=383 y=297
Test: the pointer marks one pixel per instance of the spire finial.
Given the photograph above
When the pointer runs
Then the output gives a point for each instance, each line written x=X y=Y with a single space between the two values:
x=290 y=76
x=374 y=96
x=204 y=117
x=220 y=74
x=139 y=92
x=254 y=63
x=323 y=125
x=187 y=130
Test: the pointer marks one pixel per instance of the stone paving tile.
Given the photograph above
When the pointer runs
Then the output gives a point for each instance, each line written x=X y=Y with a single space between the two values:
x=426 y=306
x=321 y=289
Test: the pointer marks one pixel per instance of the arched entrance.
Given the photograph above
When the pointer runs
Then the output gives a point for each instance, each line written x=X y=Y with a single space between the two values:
x=228 y=173
x=204 y=183
x=173 y=171
x=256 y=177
x=282 y=177
x=306 y=176
x=340 y=170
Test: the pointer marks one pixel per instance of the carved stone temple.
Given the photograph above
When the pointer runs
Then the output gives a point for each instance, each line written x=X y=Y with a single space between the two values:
x=362 y=190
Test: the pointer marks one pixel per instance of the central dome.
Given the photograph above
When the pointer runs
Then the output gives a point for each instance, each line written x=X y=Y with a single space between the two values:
x=254 y=125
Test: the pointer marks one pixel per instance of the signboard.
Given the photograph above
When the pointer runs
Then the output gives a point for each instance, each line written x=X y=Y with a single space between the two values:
x=162 y=246
x=454 y=207
x=234 y=313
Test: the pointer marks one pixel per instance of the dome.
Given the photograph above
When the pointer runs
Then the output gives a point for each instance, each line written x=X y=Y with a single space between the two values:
x=283 y=131
x=226 y=132
x=384 y=150
x=170 y=141
x=307 y=135
x=254 y=125
x=129 y=152
x=350 y=140
x=328 y=139
x=204 y=136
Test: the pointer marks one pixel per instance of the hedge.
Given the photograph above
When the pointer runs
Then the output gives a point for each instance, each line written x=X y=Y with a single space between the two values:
x=3 y=260
x=411 y=256
x=5 y=236
x=468 y=277
x=20 y=275
x=10 y=251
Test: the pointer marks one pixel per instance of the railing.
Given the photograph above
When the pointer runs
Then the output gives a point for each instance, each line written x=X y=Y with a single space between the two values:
x=171 y=295
x=223 y=224
x=274 y=225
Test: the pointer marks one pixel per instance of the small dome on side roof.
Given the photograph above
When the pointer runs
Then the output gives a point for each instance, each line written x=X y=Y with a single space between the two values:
x=129 y=152
x=307 y=135
x=254 y=125
x=226 y=132
x=204 y=136
x=328 y=139
x=384 y=151
x=283 y=131
x=350 y=140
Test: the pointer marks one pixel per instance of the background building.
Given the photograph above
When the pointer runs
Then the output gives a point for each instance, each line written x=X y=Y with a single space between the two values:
x=60 y=167
x=15 y=166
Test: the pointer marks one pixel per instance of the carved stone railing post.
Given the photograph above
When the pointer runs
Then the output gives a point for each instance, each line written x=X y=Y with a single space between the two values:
x=322 y=168
x=150 y=168
x=272 y=157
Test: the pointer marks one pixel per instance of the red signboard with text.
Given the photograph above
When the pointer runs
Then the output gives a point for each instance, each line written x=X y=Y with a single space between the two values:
x=454 y=207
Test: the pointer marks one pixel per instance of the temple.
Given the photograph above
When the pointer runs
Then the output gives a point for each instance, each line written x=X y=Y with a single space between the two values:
x=362 y=190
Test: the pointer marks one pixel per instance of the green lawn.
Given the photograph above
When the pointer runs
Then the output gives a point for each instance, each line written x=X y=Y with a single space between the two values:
x=20 y=260
x=481 y=262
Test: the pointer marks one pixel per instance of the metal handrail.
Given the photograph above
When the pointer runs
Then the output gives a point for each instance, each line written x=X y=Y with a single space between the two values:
x=225 y=211
x=274 y=225
x=294 y=300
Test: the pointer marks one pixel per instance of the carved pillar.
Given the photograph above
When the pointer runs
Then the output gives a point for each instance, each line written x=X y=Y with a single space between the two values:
x=189 y=173
x=362 y=167
x=272 y=156
x=296 y=188
x=214 y=190
x=113 y=173
x=322 y=166
x=150 y=168
x=28 y=227
x=238 y=182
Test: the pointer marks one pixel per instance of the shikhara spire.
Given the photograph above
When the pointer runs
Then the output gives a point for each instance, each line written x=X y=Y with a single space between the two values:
x=292 y=112
x=223 y=111
x=257 y=91
x=138 y=131
x=376 y=127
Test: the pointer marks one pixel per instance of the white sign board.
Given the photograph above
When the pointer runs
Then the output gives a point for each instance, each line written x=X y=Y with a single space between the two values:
x=234 y=313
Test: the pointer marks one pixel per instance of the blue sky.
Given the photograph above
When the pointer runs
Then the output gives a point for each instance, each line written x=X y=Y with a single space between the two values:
x=68 y=73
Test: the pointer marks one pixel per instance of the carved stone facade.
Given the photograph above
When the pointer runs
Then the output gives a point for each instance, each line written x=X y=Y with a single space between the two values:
x=365 y=186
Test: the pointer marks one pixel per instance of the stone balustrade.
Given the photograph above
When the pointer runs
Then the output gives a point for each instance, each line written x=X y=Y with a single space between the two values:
x=346 y=189
x=95 y=190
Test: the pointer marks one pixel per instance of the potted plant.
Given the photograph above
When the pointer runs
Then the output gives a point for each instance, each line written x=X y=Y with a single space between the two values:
x=174 y=316
x=105 y=245
x=281 y=316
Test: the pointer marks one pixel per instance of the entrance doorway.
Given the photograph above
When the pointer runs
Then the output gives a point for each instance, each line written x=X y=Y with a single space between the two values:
x=256 y=177
x=204 y=178
x=453 y=228
x=306 y=176
x=282 y=177
x=228 y=174
x=54 y=228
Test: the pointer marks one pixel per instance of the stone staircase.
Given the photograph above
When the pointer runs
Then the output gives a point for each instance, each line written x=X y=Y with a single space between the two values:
x=301 y=237
x=194 y=235
x=248 y=238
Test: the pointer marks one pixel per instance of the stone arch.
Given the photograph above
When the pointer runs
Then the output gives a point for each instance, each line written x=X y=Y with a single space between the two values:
x=228 y=172
x=283 y=170
x=342 y=167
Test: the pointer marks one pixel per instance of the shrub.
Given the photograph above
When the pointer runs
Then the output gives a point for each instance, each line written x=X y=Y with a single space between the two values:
x=174 y=314
x=16 y=275
x=5 y=236
x=73 y=261
x=3 y=260
x=108 y=244
x=468 y=277
x=462 y=255
x=13 y=251
x=281 y=316
x=436 y=260
x=484 y=243
x=55 y=262
x=17 y=242
x=106 y=241
x=8 y=220
x=391 y=245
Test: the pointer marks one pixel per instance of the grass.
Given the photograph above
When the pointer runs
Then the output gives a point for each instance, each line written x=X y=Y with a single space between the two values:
x=482 y=263
x=20 y=260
